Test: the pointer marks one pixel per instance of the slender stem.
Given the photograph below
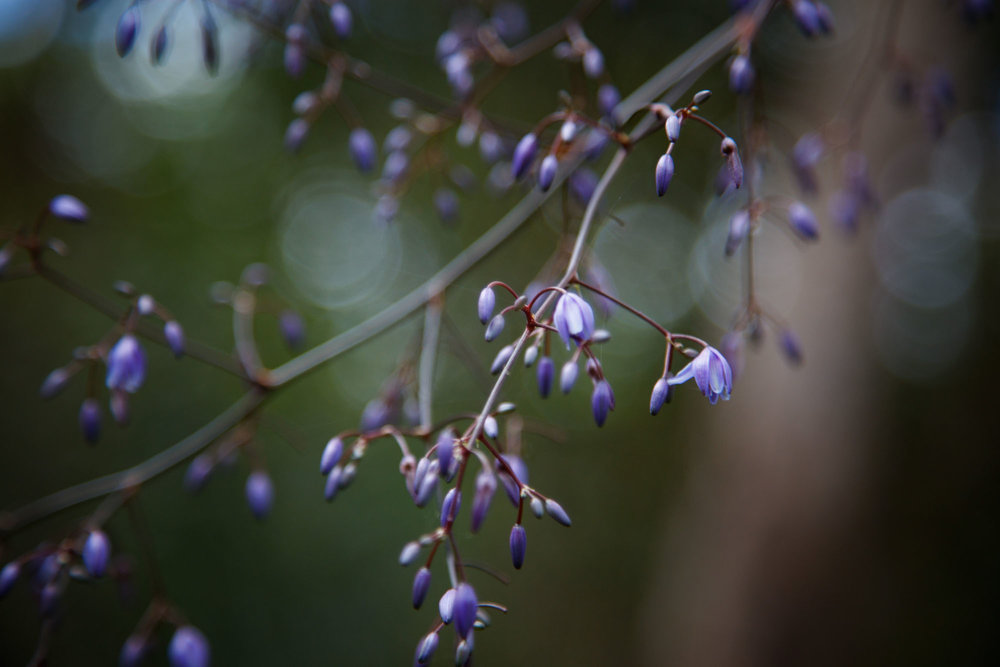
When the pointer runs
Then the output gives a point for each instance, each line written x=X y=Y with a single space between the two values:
x=428 y=352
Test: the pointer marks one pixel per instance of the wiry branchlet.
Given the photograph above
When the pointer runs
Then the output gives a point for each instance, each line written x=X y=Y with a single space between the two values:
x=518 y=545
x=189 y=648
x=96 y=552
x=664 y=173
x=260 y=493
x=421 y=584
x=556 y=511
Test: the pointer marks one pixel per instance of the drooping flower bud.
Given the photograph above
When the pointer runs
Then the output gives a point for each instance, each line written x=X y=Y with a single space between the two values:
x=69 y=208
x=426 y=647
x=54 y=382
x=503 y=356
x=486 y=486
x=803 y=221
x=126 y=365
x=450 y=506
x=409 y=553
x=524 y=155
x=741 y=75
x=421 y=584
x=96 y=551
x=260 y=493
x=556 y=511
x=664 y=173
x=127 y=29
x=593 y=62
x=546 y=373
x=491 y=429
x=495 y=327
x=608 y=98
x=197 y=473
x=189 y=648
x=602 y=401
x=174 y=334
x=466 y=604
x=518 y=545
x=547 y=172
x=739 y=227
x=362 y=147
x=673 y=127
x=340 y=17
x=567 y=377
x=446 y=606
x=511 y=487
x=332 y=454
x=293 y=328
x=8 y=576
x=660 y=395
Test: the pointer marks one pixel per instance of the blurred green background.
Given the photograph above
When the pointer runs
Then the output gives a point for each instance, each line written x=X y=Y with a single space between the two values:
x=886 y=557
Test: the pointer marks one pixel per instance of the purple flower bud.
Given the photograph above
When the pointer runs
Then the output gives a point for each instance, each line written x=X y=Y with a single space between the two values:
x=127 y=29
x=466 y=606
x=806 y=155
x=530 y=356
x=567 y=377
x=174 y=334
x=491 y=428
x=547 y=172
x=197 y=473
x=556 y=511
x=486 y=486
x=426 y=647
x=446 y=204
x=546 y=373
x=487 y=302
x=296 y=133
x=209 y=43
x=825 y=19
x=421 y=584
x=96 y=551
x=305 y=102
x=54 y=382
x=673 y=127
x=741 y=75
x=332 y=485
x=8 y=577
x=394 y=169
x=295 y=53
x=806 y=17
x=503 y=356
x=661 y=394
x=739 y=227
x=537 y=507
x=450 y=506
x=145 y=304
x=425 y=488
x=260 y=493
x=602 y=401
x=409 y=553
x=347 y=475
x=593 y=62
x=711 y=372
x=582 y=184
x=664 y=173
x=332 y=453
x=69 y=207
x=524 y=155
x=511 y=487
x=293 y=328
x=133 y=651
x=518 y=545
x=188 y=648
x=446 y=606
x=608 y=98
x=734 y=165
x=158 y=47
x=803 y=221
x=573 y=318
x=463 y=652
x=126 y=365
x=490 y=147
x=445 y=452
x=495 y=326
x=49 y=599
x=790 y=347
x=340 y=17
x=362 y=147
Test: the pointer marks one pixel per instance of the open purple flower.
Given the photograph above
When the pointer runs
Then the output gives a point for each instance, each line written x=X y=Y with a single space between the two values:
x=711 y=372
x=574 y=319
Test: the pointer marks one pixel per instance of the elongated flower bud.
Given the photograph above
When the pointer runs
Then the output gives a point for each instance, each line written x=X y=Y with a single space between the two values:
x=547 y=172
x=466 y=605
x=96 y=551
x=189 y=648
x=494 y=328
x=332 y=454
x=659 y=396
x=803 y=221
x=425 y=649
x=664 y=173
x=567 y=378
x=518 y=545
x=340 y=17
x=673 y=127
x=126 y=31
x=421 y=584
x=260 y=493
x=524 y=155
x=546 y=373
x=556 y=511
x=487 y=302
